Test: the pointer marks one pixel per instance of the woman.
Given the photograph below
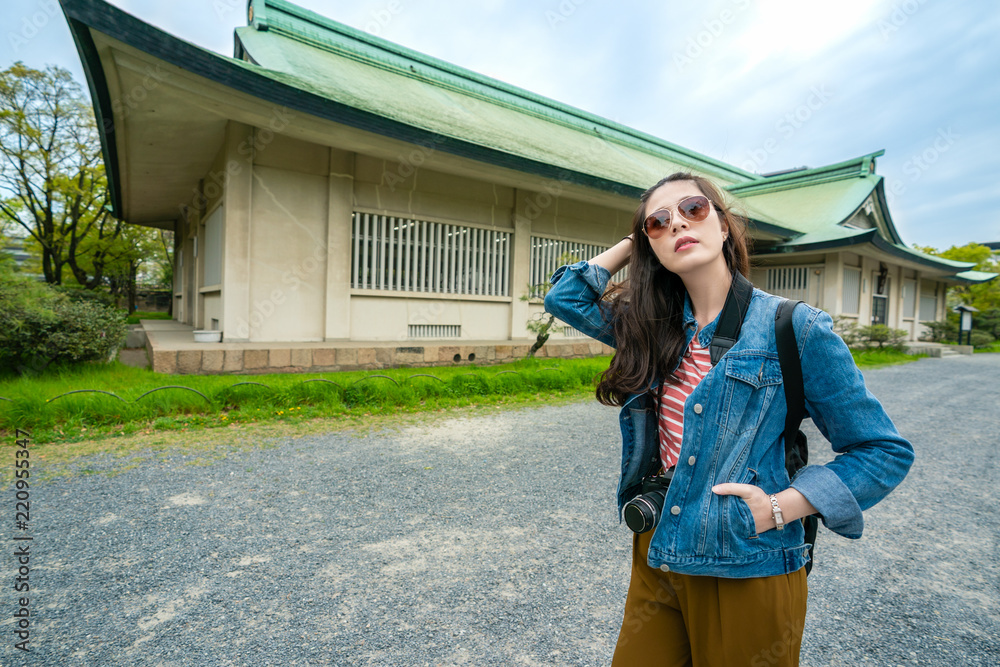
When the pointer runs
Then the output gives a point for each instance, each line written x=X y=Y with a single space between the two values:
x=719 y=581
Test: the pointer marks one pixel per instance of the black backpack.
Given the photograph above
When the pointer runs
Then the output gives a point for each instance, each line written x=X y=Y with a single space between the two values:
x=796 y=447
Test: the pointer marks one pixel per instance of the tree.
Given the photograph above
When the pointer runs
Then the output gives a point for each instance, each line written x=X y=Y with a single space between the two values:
x=984 y=296
x=52 y=180
x=541 y=323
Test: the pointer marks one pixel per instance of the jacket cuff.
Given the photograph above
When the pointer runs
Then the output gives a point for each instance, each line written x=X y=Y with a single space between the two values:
x=595 y=276
x=833 y=501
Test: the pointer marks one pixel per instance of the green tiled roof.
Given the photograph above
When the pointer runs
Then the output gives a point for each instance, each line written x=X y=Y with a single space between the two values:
x=372 y=74
x=812 y=200
x=836 y=234
x=320 y=67
x=975 y=276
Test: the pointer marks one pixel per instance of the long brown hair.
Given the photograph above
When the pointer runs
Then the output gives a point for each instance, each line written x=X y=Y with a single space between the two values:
x=647 y=310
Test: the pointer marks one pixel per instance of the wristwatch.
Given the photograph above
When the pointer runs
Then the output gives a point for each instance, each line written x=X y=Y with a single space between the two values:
x=776 y=513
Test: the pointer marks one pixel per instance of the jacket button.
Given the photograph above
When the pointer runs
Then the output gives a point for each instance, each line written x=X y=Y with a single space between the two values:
x=691 y=461
x=697 y=408
x=675 y=510
x=665 y=568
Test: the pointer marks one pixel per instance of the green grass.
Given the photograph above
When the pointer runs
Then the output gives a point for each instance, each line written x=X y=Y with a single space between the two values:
x=191 y=402
x=146 y=315
x=222 y=414
x=878 y=358
x=992 y=347
x=144 y=401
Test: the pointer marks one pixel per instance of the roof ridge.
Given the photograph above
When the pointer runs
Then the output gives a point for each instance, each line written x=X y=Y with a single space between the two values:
x=859 y=167
x=454 y=77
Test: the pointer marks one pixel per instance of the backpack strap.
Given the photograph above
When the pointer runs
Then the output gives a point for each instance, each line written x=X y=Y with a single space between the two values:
x=796 y=447
x=727 y=332
x=791 y=376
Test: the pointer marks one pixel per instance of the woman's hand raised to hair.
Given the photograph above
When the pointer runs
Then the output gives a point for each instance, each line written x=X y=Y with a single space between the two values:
x=615 y=258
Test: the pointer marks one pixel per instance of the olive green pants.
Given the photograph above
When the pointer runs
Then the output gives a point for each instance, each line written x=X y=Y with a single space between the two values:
x=676 y=619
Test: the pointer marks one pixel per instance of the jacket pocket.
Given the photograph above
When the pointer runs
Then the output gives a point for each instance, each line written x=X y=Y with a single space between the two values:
x=752 y=379
x=738 y=522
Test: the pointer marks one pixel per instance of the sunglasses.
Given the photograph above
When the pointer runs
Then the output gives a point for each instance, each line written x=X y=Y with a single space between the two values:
x=694 y=208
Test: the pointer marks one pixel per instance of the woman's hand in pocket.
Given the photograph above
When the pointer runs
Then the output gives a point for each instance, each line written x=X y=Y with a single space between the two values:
x=756 y=499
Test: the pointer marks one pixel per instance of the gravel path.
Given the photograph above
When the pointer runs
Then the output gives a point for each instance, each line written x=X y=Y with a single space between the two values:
x=483 y=541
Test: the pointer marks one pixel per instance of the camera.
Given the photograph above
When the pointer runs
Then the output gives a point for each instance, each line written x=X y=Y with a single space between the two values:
x=643 y=512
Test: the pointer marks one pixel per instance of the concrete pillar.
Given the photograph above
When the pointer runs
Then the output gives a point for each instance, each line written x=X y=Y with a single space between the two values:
x=177 y=289
x=338 y=246
x=867 y=289
x=895 y=292
x=918 y=329
x=833 y=283
x=198 y=266
x=238 y=182
x=941 y=294
x=520 y=272
x=190 y=266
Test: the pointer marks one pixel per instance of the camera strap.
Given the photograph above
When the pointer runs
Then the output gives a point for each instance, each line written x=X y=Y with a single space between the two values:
x=731 y=319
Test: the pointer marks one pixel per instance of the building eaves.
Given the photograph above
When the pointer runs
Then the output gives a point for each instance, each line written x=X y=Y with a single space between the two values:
x=281 y=88
x=975 y=277
x=291 y=21
x=841 y=238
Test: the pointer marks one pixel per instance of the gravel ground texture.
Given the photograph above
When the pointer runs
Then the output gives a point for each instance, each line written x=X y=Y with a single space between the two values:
x=485 y=540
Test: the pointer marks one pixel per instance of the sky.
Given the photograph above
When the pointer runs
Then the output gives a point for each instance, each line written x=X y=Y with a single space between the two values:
x=765 y=85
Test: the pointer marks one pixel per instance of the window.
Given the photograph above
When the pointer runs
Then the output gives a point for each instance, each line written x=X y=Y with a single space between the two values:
x=791 y=282
x=880 y=305
x=434 y=331
x=928 y=307
x=547 y=255
x=406 y=255
x=852 y=290
x=570 y=332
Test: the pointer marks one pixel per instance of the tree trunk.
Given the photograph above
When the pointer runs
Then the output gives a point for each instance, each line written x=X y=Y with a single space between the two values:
x=543 y=335
x=133 y=270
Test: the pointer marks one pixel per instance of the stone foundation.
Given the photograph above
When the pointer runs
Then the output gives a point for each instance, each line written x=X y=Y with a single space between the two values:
x=220 y=358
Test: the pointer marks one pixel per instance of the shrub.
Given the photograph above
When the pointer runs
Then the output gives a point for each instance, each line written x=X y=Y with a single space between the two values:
x=941 y=332
x=981 y=338
x=40 y=326
x=989 y=321
x=846 y=328
x=87 y=295
x=882 y=337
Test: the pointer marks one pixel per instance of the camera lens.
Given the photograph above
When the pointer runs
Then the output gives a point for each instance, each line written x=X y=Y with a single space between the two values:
x=643 y=512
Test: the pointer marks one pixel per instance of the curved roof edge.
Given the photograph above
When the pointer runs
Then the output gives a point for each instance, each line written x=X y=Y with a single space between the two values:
x=859 y=167
x=286 y=18
x=854 y=238
x=883 y=205
x=86 y=15
x=103 y=114
x=975 y=277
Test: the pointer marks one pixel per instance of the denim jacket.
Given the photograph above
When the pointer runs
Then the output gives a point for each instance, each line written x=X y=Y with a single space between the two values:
x=733 y=432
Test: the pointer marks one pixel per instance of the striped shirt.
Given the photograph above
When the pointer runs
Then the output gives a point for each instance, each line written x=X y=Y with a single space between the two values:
x=695 y=364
